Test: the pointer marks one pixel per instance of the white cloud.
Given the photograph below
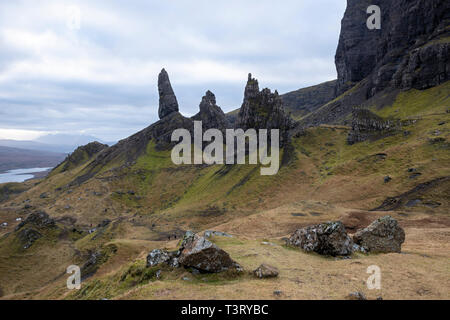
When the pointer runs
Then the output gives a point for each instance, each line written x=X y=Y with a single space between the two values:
x=51 y=69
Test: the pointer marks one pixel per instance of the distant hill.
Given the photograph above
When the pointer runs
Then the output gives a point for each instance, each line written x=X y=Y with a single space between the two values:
x=59 y=143
x=14 y=158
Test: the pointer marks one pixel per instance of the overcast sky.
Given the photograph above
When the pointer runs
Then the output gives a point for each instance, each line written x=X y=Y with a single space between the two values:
x=91 y=67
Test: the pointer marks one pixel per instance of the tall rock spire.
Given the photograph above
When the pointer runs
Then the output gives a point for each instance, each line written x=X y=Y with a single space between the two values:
x=167 y=100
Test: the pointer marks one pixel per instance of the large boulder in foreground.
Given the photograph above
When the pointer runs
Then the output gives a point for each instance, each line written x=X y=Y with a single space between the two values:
x=329 y=238
x=199 y=253
x=195 y=252
x=383 y=235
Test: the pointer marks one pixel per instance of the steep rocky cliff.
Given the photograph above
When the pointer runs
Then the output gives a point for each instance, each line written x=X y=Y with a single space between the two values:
x=410 y=51
x=306 y=100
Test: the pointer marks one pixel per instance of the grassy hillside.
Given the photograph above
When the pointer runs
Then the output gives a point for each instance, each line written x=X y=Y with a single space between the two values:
x=151 y=199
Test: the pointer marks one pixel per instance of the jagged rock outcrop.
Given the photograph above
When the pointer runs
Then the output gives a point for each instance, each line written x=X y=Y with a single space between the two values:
x=262 y=109
x=28 y=230
x=167 y=100
x=411 y=50
x=211 y=114
x=383 y=235
x=328 y=238
x=136 y=145
x=368 y=126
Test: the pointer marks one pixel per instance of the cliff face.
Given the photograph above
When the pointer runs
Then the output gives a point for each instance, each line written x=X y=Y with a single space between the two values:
x=411 y=50
x=301 y=102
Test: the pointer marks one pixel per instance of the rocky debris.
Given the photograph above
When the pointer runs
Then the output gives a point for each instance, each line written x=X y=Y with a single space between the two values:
x=211 y=114
x=387 y=179
x=167 y=100
x=397 y=202
x=195 y=252
x=383 y=235
x=262 y=109
x=328 y=238
x=159 y=256
x=4 y=224
x=356 y=296
x=368 y=126
x=43 y=195
x=38 y=219
x=278 y=293
x=212 y=233
x=104 y=223
x=266 y=271
x=200 y=253
x=28 y=236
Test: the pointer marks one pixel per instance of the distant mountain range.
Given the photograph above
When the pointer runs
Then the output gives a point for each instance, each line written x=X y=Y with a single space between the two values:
x=59 y=143
x=14 y=158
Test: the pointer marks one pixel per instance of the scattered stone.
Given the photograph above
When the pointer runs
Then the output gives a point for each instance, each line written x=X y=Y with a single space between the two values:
x=278 y=293
x=158 y=274
x=43 y=195
x=441 y=123
x=266 y=243
x=209 y=234
x=383 y=235
x=413 y=203
x=104 y=223
x=380 y=298
x=186 y=279
x=18 y=219
x=328 y=238
x=28 y=236
x=4 y=224
x=356 y=296
x=387 y=179
x=266 y=271
x=415 y=175
x=298 y=214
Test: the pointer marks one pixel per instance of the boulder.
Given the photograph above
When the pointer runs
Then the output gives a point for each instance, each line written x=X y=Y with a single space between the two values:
x=383 y=235
x=199 y=253
x=39 y=219
x=328 y=238
x=28 y=236
x=266 y=271
x=356 y=296
x=159 y=256
x=212 y=233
